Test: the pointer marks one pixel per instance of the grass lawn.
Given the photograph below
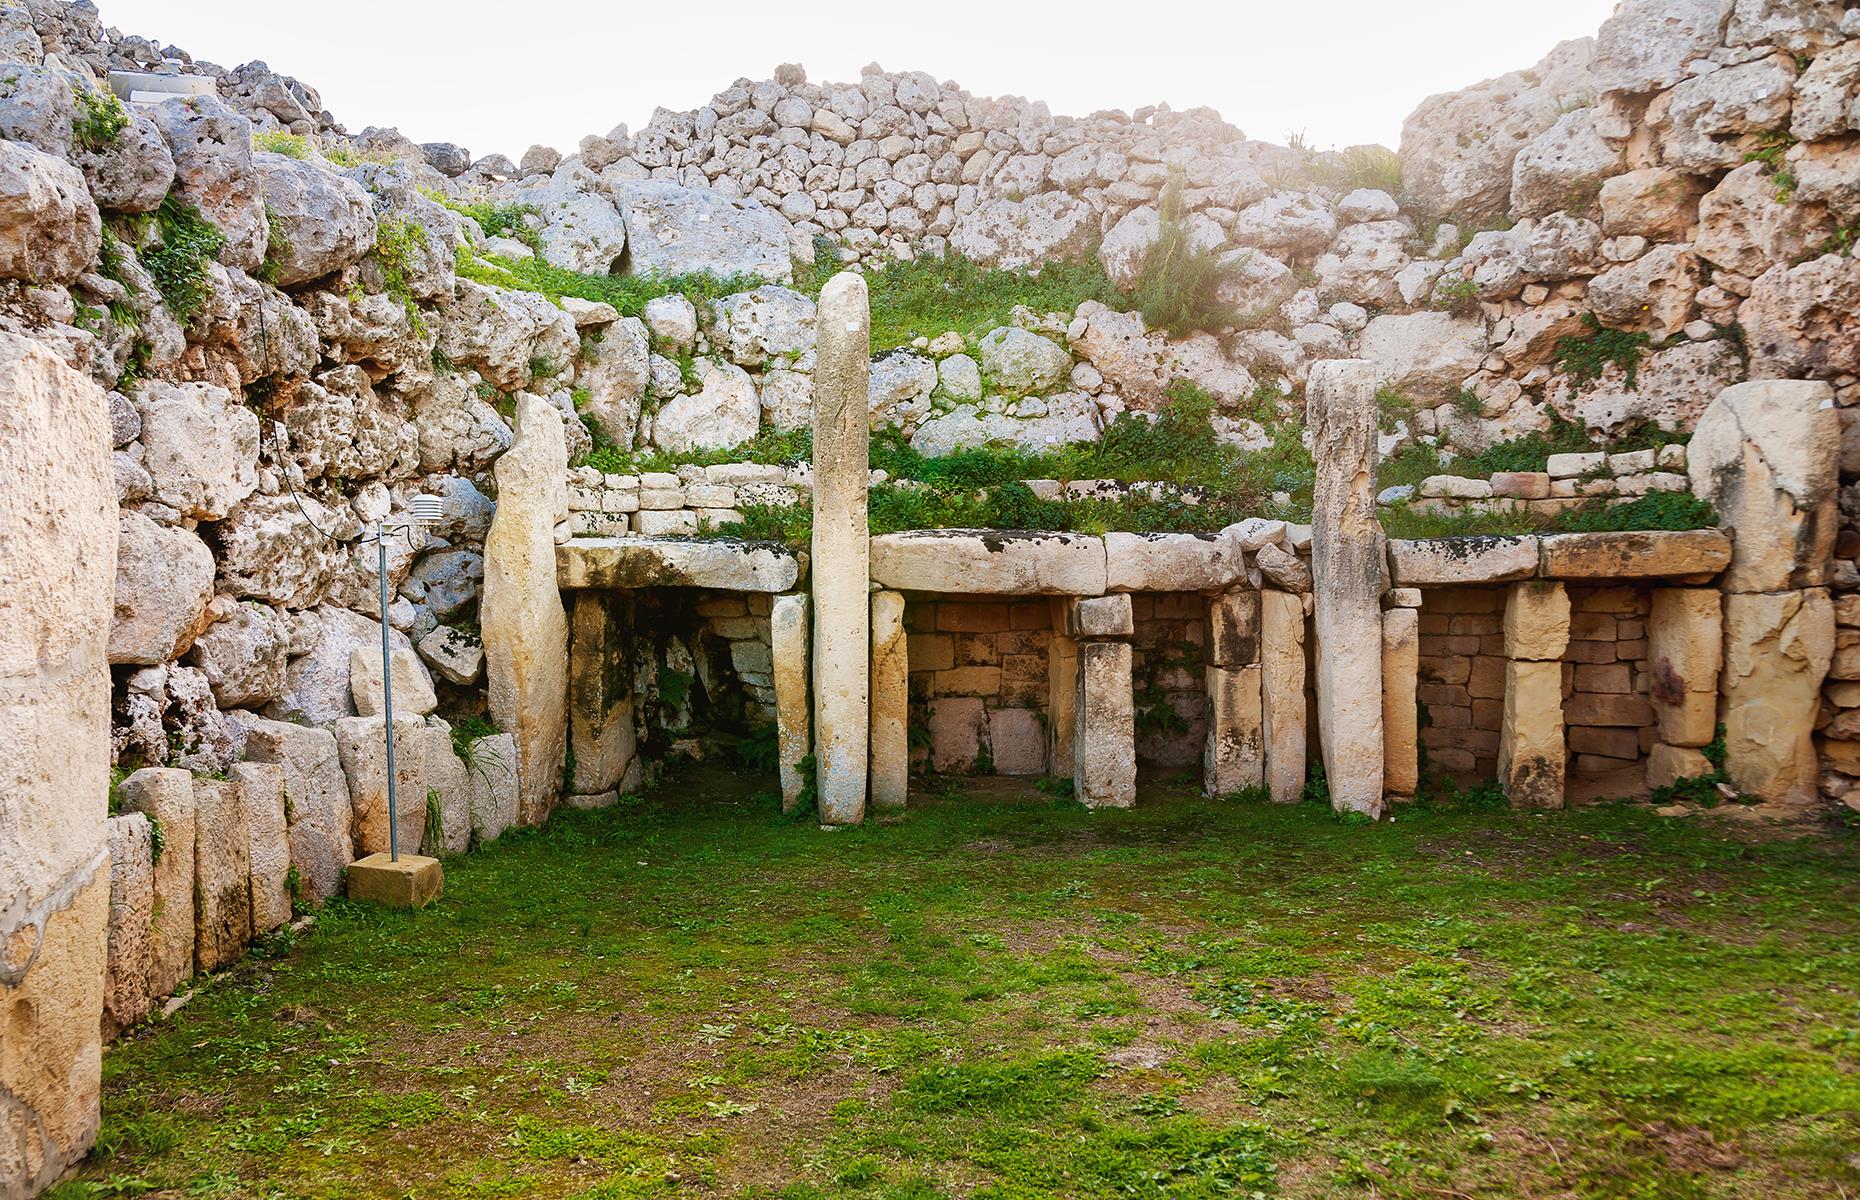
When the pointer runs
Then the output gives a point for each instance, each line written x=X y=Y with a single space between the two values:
x=1010 y=997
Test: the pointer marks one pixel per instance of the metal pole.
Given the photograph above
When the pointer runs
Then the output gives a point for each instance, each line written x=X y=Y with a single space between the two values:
x=387 y=696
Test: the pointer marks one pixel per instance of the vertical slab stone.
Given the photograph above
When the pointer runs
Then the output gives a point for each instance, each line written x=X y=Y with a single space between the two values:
x=1766 y=454
x=1537 y=621
x=839 y=567
x=58 y=533
x=1282 y=694
x=1777 y=648
x=361 y=744
x=165 y=796
x=448 y=794
x=1401 y=714
x=793 y=720
x=1531 y=754
x=126 y=996
x=600 y=693
x=316 y=802
x=492 y=769
x=520 y=613
x=1685 y=651
x=891 y=673
x=1233 y=629
x=222 y=875
x=1104 y=739
x=1346 y=570
x=1234 y=756
x=261 y=795
x=1062 y=686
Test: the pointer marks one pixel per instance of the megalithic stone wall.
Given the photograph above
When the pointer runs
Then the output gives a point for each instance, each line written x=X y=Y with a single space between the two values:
x=840 y=563
x=58 y=533
x=1347 y=570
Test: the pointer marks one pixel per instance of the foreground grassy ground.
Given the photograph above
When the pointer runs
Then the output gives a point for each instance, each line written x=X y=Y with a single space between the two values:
x=695 y=997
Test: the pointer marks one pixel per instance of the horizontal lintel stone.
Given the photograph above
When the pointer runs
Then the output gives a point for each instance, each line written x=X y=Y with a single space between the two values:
x=990 y=562
x=636 y=562
x=1462 y=560
x=1641 y=554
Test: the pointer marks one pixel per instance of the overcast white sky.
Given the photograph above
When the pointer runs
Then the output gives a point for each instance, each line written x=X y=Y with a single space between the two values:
x=499 y=76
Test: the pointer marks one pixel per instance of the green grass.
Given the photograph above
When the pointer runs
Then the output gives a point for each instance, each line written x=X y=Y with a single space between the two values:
x=1010 y=997
x=181 y=259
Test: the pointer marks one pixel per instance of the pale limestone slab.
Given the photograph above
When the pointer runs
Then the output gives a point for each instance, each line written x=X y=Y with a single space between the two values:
x=990 y=562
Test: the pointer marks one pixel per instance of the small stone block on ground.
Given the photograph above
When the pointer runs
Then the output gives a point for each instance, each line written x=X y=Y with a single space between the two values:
x=414 y=881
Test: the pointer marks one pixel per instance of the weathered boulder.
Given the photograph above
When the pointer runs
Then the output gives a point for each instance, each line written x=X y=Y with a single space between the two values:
x=1020 y=361
x=1647 y=44
x=320 y=222
x=1652 y=202
x=1012 y=234
x=212 y=149
x=280 y=549
x=1766 y=456
x=768 y=323
x=454 y=655
x=1065 y=418
x=1426 y=356
x=1653 y=294
x=491 y=765
x=126 y=994
x=418 y=237
x=361 y=744
x=447 y=779
x=1670 y=390
x=1711 y=120
x=1826 y=94
x=166 y=796
x=1362 y=265
x=412 y=685
x=1804 y=321
x=262 y=799
x=49 y=227
x=200 y=447
x=898 y=387
x=674 y=230
x=582 y=226
x=1142 y=365
x=36 y=107
x=723 y=412
x=316 y=796
x=525 y=627
x=509 y=337
x=1744 y=227
x=164 y=581
x=1778 y=646
x=317 y=681
x=1564 y=166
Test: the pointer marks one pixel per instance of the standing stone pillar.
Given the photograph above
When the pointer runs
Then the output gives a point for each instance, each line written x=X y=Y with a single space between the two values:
x=600 y=695
x=1685 y=650
x=1346 y=571
x=1235 y=754
x=840 y=566
x=1401 y=716
x=1104 y=736
x=58 y=533
x=1766 y=454
x=793 y=725
x=126 y=996
x=1282 y=693
x=166 y=796
x=1062 y=673
x=520 y=614
x=891 y=680
x=1531 y=751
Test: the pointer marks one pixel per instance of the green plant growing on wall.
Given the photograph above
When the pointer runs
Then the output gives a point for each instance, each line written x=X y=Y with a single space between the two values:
x=277 y=246
x=397 y=240
x=99 y=121
x=182 y=256
x=277 y=141
x=1179 y=288
x=1583 y=359
x=1772 y=150
x=435 y=832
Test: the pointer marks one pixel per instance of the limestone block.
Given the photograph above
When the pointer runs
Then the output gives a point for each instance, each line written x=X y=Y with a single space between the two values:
x=1766 y=455
x=165 y=796
x=1777 y=648
x=841 y=550
x=1536 y=621
x=1531 y=753
x=1104 y=772
x=1170 y=562
x=891 y=745
x=1017 y=741
x=1641 y=554
x=126 y=996
x=316 y=797
x=1691 y=721
x=520 y=614
x=1482 y=558
x=448 y=786
x=361 y=743
x=1100 y=617
x=164 y=581
x=1401 y=716
x=793 y=723
x=222 y=875
x=58 y=523
x=1282 y=568
x=1346 y=569
x=412 y=881
x=719 y=563
x=268 y=847
x=1234 y=756
x=1233 y=629
x=1667 y=764
x=1685 y=643
x=457 y=656
x=1282 y=692
x=413 y=685
x=492 y=769
x=1062 y=670
x=956 y=725
x=990 y=562
x=600 y=692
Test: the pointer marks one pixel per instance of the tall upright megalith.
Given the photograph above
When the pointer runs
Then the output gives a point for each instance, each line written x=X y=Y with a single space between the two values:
x=524 y=625
x=1346 y=570
x=840 y=567
x=57 y=579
